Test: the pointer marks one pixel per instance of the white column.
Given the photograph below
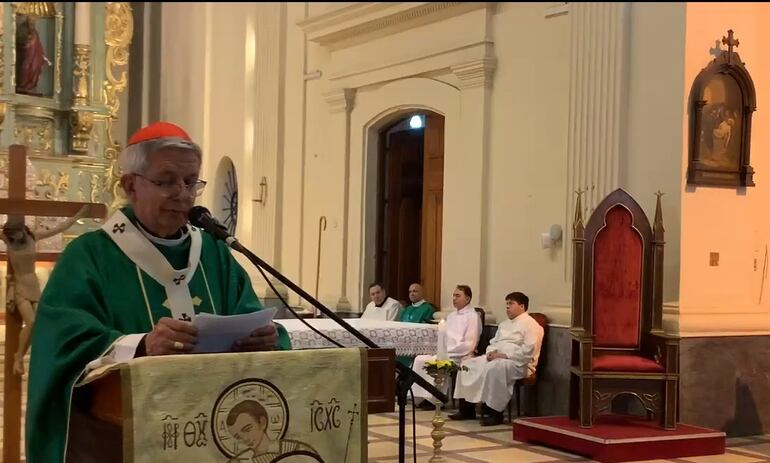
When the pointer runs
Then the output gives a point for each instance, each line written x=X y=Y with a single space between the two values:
x=598 y=92
x=268 y=85
x=340 y=104
x=597 y=104
x=465 y=194
x=293 y=159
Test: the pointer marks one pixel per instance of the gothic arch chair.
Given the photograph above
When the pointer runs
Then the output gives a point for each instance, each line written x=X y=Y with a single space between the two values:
x=618 y=344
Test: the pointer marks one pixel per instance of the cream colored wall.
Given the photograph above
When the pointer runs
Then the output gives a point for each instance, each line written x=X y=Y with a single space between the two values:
x=339 y=138
x=654 y=111
x=224 y=87
x=527 y=170
x=724 y=300
x=501 y=77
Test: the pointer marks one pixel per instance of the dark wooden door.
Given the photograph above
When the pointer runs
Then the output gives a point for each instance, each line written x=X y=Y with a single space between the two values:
x=401 y=203
x=432 y=207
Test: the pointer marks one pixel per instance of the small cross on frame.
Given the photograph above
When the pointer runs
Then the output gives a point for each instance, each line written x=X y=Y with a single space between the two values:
x=17 y=206
x=731 y=42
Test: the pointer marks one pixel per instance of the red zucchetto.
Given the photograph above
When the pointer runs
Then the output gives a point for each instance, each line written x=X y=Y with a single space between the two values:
x=158 y=130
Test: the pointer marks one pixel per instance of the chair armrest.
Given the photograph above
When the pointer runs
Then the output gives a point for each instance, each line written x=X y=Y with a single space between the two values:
x=664 y=348
x=582 y=348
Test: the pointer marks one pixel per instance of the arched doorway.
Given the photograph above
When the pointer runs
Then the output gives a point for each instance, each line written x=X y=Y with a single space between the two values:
x=409 y=205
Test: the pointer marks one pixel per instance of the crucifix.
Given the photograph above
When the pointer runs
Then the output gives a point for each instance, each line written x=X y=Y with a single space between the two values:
x=16 y=206
x=731 y=42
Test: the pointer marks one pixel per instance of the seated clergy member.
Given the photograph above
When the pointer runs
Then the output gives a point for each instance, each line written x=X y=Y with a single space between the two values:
x=420 y=310
x=382 y=307
x=512 y=354
x=462 y=332
x=115 y=294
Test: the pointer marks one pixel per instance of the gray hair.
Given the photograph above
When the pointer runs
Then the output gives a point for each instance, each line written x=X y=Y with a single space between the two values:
x=134 y=158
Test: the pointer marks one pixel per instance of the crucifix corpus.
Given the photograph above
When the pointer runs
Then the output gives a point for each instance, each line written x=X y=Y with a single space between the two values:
x=23 y=290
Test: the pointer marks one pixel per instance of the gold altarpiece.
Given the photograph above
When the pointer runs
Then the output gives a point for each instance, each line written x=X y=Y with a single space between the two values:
x=63 y=69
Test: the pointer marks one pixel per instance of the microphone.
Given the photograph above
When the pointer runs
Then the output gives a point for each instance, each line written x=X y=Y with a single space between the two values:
x=202 y=218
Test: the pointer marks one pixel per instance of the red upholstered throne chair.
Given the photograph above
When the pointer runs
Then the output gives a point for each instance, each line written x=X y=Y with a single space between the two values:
x=618 y=345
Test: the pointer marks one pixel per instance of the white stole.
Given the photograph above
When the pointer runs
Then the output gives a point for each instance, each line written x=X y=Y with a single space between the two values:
x=148 y=258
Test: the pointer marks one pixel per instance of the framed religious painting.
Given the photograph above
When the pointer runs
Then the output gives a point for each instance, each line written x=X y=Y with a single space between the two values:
x=37 y=26
x=722 y=100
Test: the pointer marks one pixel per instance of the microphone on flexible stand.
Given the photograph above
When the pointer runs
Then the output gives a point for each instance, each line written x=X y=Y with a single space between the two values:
x=201 y=217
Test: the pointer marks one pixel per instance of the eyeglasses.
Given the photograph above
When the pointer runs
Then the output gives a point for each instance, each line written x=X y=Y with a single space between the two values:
x=171 y=187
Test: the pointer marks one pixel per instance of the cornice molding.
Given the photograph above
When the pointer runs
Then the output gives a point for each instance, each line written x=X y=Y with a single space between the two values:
x=340 y=99
x=362 y=22
x=476 y=73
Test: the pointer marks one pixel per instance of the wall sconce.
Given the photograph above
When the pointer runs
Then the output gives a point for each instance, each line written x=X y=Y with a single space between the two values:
x=551 y=237
x=262 y=191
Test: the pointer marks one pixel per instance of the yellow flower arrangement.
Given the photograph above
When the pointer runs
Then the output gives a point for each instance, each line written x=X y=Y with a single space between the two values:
x=447 y=367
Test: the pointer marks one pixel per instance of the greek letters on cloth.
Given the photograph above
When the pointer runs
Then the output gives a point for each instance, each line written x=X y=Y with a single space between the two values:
x=148 y=258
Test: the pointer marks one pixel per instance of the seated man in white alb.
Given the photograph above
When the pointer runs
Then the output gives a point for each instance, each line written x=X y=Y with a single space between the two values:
x=512 y=354
x=461 y=335
x=382 y=307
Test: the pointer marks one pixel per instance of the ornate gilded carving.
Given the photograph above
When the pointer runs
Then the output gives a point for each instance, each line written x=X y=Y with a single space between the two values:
x=40 y=9
x=82 y=65
x=59 y=48
x=81 y=122
x=56 y=186
x=36 y=134
x=95 y=188
x=3 y=107
x=117 y=36
x=93 y=183
x=119 y=29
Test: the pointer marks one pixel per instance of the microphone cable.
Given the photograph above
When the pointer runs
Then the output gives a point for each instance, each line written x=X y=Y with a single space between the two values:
x=293 y=312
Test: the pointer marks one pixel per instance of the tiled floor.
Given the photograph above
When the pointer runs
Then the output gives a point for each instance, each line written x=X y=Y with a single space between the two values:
x=468 y=442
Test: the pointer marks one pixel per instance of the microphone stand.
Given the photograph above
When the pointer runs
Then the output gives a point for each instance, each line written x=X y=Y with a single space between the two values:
x=405 y=375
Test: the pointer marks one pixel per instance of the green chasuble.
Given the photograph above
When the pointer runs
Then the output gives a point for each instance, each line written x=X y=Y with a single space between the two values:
x=422 y=313
x=95 y=295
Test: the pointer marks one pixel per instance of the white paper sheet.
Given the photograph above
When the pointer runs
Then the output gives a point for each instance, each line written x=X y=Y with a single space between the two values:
x=217 y=333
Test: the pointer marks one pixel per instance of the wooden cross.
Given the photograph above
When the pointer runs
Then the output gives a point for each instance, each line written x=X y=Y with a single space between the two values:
x=731 y=42
x=16 y=205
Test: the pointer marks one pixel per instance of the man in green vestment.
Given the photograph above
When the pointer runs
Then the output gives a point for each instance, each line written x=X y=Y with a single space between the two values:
x=131 y=289
x=419 y=311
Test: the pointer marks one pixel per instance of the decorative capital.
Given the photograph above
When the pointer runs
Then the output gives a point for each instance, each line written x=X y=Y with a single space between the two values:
x=81 y=122
x=476 y=73
x=340 y=100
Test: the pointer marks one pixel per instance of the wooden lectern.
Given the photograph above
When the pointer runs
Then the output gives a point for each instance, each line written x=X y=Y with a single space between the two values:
x=104 y=400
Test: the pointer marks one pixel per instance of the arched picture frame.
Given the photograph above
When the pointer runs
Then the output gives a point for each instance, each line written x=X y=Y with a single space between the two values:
x=722 y=100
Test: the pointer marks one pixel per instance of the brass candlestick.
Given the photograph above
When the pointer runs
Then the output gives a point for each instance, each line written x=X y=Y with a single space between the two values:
x=438 y=421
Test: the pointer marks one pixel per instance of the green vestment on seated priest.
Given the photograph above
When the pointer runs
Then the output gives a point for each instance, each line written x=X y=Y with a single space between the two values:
x=422 y=313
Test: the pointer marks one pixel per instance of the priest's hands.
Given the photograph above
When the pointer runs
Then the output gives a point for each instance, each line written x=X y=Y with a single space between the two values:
x=496 y=355
x=265 y=338
x=171 y=337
